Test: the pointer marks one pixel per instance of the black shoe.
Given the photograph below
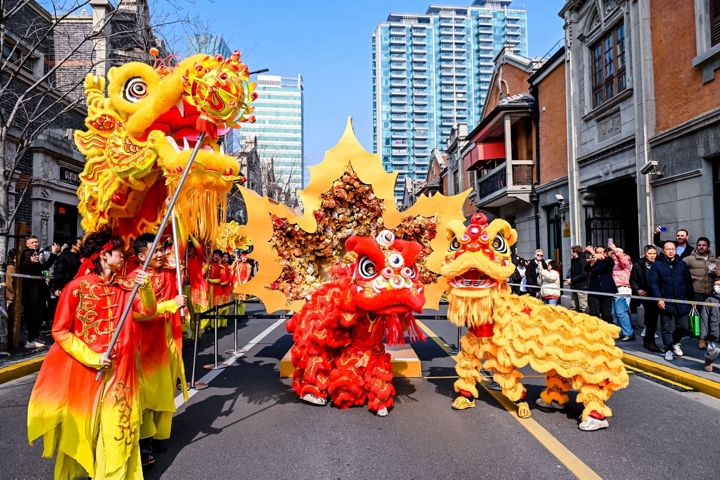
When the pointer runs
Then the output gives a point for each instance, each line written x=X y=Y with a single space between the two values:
x=652 y=347
x=627 y=338
x=146 y=457
x=159 y=446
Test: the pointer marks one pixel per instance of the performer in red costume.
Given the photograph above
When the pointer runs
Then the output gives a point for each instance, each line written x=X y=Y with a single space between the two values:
x=216 y=277
x=161 y=364
x=227 y=286
x=198 y=289
x=339 y=333
x=243 y=270
x=95 y=425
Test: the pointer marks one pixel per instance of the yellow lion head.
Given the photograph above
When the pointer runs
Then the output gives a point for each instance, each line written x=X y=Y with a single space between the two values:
x=140 y=138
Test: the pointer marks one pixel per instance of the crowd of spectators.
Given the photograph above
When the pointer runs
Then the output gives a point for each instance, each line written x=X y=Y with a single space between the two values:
x=601 y=279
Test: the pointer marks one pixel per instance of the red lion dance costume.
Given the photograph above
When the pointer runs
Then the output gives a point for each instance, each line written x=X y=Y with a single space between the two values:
x=338 y=334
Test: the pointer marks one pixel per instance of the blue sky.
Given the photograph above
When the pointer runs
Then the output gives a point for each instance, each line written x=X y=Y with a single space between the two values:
x=328 y=42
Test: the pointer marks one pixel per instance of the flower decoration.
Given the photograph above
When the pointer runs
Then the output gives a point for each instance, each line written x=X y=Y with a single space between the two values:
x=349 y=194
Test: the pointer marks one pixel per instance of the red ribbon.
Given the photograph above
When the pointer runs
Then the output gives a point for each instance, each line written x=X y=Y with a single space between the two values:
x=87 y=263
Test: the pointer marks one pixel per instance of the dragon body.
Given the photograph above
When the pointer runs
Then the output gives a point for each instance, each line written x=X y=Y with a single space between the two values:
x=507 y=332
x=338 y=334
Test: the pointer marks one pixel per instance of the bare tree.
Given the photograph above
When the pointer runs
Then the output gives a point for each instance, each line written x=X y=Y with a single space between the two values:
x=46 y=50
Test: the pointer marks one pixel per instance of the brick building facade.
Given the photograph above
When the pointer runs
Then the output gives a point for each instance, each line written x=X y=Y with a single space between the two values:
x=643 y=119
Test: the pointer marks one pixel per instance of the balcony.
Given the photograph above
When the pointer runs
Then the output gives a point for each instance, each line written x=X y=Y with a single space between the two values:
x=398 y=75
x=420 y=75
x=398 y=108
x=422 y=51
x=398 y=91
x=398 y=84
x=513 y=40
x=400 y=153
x=398 y=126
x=398 y=57
x=422 y=92
x=493 y=191
x=398 y=66
x=398 y=40
x=394 y=48
x=418 y=32
x=419 y=58
x=399 y=31
x=420 y=101
x=420 y=84
x=398 y=100
x=419 y=66
x=395 y=118
x=419 y=41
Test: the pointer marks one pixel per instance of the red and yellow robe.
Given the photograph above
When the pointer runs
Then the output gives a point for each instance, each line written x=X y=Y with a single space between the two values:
x=161 y=364
x=217 y=277
x=95 y=425
x=243 y=270
x=198 y=292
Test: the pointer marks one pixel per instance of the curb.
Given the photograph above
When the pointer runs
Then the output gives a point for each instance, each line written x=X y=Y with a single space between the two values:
x=20 y=370
x=700 y=384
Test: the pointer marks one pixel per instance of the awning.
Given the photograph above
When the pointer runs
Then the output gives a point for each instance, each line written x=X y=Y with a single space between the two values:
x=483 y=152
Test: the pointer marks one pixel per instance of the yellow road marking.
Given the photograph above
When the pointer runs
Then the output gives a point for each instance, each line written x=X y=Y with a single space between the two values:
x=667 y=380
x=569 y=459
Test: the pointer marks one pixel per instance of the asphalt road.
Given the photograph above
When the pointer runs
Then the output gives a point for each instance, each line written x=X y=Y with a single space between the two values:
x=250 y=424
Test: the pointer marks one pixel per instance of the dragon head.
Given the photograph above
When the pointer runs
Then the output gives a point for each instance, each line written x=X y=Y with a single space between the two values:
x=140 y=138
x=385 y=274
x=477 y=264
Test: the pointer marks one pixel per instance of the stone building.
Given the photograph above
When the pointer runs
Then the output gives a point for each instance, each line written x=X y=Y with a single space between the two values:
x=643 y=119
x=251 y=168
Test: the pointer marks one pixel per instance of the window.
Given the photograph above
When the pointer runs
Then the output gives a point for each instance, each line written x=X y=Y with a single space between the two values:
x=608 y=66
x=715 y=22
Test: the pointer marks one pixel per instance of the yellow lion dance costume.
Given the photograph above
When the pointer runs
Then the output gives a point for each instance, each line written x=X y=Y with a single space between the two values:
x=507 y=332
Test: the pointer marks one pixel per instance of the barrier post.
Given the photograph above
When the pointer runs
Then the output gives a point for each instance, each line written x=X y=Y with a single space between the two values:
x=456 y=350
x=193 y=383
x=215 y=365
x=235 y=349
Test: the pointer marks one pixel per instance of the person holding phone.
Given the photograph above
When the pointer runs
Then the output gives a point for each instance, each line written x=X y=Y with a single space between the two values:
x=600 y=268
x=682 y=248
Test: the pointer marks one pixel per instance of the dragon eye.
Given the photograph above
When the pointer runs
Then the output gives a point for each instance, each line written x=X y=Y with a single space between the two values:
x=396 y=260
x=135 y=90
x=499 y=244
x=366 y=268
x=454 y=245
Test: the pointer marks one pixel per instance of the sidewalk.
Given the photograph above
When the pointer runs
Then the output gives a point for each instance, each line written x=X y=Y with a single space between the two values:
x=24 y=361
x=684 y=370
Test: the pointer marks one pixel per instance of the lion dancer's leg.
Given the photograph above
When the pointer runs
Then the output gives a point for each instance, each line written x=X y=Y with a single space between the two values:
x=508 y=377
x=555 y=395
x=347 y=386
x=378 y=381
x=593 y=397
x=311 y=359
x=468 y=369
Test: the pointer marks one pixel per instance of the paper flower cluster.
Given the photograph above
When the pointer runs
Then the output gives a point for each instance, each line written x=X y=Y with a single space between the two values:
x=230 y=238
x=349 y=208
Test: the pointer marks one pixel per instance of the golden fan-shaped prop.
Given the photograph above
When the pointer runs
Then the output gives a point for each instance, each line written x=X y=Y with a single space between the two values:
x=349 y=194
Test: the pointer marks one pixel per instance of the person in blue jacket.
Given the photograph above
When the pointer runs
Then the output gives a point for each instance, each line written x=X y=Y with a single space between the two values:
x=669 y=277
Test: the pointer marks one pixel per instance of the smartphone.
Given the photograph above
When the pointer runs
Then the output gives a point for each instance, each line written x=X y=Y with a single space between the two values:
x=663 y=229
x=610 y=240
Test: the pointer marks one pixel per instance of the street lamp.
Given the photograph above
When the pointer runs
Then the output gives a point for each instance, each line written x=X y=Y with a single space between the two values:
x=264 y=70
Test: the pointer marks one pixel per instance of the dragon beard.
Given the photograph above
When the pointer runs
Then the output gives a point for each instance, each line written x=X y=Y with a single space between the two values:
x=393 y=326
x=474 y=308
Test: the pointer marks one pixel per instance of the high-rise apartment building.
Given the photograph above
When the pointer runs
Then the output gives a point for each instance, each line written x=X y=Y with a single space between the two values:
x=432 y=71
x=210 y=44
x=279 y=129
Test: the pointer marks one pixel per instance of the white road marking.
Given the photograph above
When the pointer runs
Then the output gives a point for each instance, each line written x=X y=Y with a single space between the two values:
x=214 y=373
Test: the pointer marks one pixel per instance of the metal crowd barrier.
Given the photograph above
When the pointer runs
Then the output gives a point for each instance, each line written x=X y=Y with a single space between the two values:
x=214 y=314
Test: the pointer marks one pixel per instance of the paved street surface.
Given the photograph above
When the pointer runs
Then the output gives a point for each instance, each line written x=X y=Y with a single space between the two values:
x=250 y=424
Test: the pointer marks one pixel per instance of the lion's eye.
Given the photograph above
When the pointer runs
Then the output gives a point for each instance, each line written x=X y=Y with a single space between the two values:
x=454 y=245
x=135 y=90
x=366 y=268
x=396 y=260
x=499 y=244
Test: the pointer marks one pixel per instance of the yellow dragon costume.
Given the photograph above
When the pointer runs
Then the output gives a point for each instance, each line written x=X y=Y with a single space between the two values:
x=507 y=332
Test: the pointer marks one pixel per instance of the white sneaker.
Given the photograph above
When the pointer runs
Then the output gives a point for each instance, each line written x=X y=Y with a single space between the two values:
x=554 y=405
x=676 y=350
x=590 y=424
x=669 y=356
x=643 y=332
x=31 y=345
x=657 y=336
x=310 y=398
x=39 y=343
x=383 y=412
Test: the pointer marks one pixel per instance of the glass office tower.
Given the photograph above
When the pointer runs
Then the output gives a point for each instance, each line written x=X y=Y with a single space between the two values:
x=432 y=71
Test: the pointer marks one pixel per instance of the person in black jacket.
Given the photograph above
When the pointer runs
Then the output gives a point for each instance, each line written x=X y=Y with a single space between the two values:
x=600 y=268
x=66 y=267
x=532 y=270
x=36 y=293
x=641 y=288
x=669 y=277
x=682 y=247
x=578 y=280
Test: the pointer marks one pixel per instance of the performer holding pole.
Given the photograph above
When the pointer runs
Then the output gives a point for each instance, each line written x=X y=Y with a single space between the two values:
x=66 y=401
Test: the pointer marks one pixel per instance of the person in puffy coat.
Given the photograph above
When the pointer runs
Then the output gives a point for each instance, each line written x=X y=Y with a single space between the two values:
x=669 y=277
x=710 y=316
x=549 y=281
